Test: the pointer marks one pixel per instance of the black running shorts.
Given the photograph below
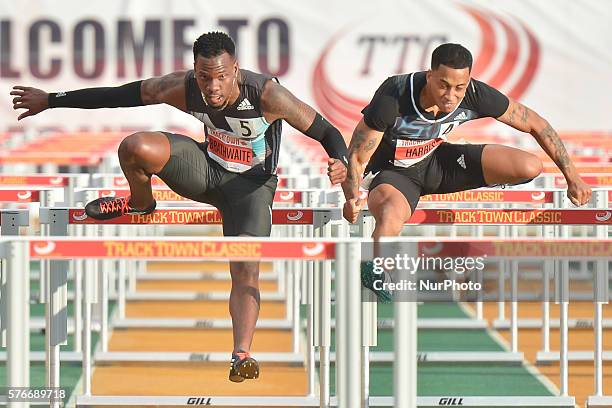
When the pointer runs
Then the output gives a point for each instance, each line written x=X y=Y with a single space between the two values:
x=245 y=201
x=450 y=168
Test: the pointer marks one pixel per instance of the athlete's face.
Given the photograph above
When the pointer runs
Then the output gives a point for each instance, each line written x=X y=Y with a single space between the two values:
x=447 y=86
x=216 y=77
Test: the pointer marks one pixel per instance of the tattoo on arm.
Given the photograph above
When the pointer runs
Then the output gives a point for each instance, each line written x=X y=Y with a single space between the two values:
x=357 y=141
x=551 y=138
x=371 y=145
x=524 y=115
x=511 y=116
x=519 y=116
x=154 y=90
x=278 y=103
x=166 y=83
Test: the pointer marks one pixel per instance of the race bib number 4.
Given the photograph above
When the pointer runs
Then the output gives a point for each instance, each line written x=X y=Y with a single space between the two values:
x=409 y=152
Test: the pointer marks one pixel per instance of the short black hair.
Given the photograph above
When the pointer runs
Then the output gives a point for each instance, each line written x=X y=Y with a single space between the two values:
x=452 y=55
x=213 y=44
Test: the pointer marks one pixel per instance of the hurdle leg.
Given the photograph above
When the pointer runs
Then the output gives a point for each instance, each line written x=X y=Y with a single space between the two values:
x=479 y=302
x=56 y=315
x=18 y=313
x=598 y=361
x=121 y=288
x=103 y=303
x=503 y=267
x=563 y=330
x=369 y=315
x=348 y=326
x=548 y=231
x=78 y=305
x=564 y=279
x=369 y=339
x=307 y=270
x=57 y=330
x=602 y=296
x=546 y=273
x=295 y=307
x=322 y=314
x=405 y=343
x=88 y=299
x=325 y=342
x=90 y=296
x=501 y=307
x=514 y=305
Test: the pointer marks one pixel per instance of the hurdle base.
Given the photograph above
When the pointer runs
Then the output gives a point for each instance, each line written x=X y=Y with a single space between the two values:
x=39 y=356
x=313 y=401
x=436 y=323
x=601 y=401
x=449 y=357
x=191 y=296
x=148 y=323
x=194 y=357
x=383 y=324
x=117 y=401
x=554 y=324
x=545 y=357
x=199 y=276
x=489 y=402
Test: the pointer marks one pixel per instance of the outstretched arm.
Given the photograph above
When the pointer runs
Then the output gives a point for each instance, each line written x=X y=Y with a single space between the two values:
x=524 y=119
x=278 y=103
x=363 y=144
x=169 y=89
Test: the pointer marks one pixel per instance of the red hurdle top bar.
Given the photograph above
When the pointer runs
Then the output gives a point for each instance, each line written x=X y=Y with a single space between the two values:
x=120 y=181
x=305 y=216
x=57 y=158
x=167 y=195
x=493 y=196
x=183 y=249
x=20 y=196
x=518 y=248
x=307 y=250
x=511 y=217
x=201 y=216
x=593 y=180
x=295 y=196
x=582 y=169
x=470 y=196
x=34 y=180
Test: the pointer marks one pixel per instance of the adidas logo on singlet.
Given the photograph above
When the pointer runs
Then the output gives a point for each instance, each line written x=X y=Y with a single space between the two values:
x=245 y=105
x=461 y=116
x=461 y=161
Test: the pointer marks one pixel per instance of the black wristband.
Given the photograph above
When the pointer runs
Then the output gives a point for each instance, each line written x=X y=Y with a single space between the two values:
x=91 y=98
x=330 y=138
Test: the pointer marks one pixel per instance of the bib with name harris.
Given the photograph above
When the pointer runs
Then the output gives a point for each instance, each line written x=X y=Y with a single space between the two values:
x=411 y=134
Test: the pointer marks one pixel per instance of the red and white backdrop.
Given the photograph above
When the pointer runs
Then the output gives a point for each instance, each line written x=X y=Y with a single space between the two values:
x=553 y=55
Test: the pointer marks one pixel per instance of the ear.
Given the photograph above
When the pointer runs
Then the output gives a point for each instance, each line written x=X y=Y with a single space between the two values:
x=428 y=75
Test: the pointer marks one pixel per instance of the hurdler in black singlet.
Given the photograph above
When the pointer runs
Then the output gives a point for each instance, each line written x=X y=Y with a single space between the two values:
x=410 y=133
x=234 y=169
x=413 y=155
x=238 y=137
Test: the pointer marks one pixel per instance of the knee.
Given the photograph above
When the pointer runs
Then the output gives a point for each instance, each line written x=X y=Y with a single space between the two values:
x=135 y=146
x=532 y=167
